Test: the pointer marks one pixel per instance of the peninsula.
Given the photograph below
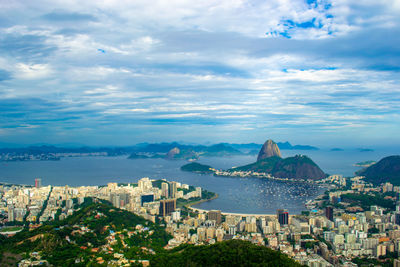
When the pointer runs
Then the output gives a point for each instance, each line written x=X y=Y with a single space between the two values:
x=271 y=165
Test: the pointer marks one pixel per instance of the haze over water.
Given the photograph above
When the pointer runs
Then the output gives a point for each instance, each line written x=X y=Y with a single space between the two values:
x=241 y=195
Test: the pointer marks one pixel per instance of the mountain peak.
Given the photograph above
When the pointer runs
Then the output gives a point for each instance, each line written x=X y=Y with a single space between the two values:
x=173 y=152
x=269 y=149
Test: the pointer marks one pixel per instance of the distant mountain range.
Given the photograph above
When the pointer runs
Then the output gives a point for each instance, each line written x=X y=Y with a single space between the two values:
x=180 y=151
x=172 y=150
x=282 y=146
x=385 y=170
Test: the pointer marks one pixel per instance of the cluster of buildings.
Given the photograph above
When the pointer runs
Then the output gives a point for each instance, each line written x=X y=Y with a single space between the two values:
x=22 y=203
x=27 y=204
x=27 y=156
x=244 y=174
x=327 y=235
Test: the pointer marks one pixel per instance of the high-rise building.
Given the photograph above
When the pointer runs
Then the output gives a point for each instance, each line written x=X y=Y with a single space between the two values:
x=172 y=189
x=215 y=215
x=283 y=216
x=146 y=198
x=198 y=191
x=38 y=182
x=69 y=203
x=176 y=215
x=124 y=199
x=232 y=229
x=11 y=215
x=329 y=213
x=164 y=190
x=145 y=184
x=115 y=200
x=167 y=206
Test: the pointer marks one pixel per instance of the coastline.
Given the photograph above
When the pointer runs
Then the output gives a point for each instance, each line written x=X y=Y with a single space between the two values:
x=189 y=205
x=237 y=214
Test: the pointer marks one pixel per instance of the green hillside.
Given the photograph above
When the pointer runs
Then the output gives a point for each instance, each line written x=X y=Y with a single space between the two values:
x=265 y=165
x=297 y=167
x=197 y=167
x=87 y=235
x=385 y=170
x=227 y=253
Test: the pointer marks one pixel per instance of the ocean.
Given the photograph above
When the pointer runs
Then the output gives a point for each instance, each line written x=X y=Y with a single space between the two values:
x=239 y=195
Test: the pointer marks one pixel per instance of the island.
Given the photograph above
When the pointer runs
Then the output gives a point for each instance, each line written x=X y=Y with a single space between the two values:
x=198 y=168
x=270 y=165
x=365 y=150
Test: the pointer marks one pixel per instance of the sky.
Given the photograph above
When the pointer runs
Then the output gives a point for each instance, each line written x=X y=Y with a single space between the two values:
x=120 y=72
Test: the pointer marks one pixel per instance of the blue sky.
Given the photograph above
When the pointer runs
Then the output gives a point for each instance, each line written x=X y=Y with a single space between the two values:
x=110 y=72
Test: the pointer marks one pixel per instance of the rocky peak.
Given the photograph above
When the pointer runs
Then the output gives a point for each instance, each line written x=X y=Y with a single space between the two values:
x=269 y=149
x=171 y=154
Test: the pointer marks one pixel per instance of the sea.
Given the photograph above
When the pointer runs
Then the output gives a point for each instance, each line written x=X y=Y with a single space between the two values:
x=238 y=195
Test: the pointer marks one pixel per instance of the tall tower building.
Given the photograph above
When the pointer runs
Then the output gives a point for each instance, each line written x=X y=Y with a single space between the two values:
x=115 y=200
x=397 y=218
x=329 y=213
x=198 y=191
x=11 y=213
x=164 y=190
x=283 y=216
x=38 y=182
x=167 y=206
x=172 y=190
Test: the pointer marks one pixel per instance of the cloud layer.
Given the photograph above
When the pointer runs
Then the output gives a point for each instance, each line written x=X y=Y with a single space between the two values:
x=121 y=72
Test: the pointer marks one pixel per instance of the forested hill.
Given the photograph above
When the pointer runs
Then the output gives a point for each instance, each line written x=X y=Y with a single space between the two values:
x=385 y=170
x=227 y=253
x=297 y=167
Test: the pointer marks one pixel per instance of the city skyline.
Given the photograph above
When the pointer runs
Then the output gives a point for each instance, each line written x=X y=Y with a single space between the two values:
x=323 y=73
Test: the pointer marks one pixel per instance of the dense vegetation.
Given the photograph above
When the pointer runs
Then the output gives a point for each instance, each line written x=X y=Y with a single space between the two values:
x=368 y=200
x=385 y=170
x=265 y=165
x=299 y=166
x=227 y=253
x=197 y=167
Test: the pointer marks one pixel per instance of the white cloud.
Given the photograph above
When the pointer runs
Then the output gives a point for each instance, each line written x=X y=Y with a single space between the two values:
x=32 y=71
x=208 y=59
